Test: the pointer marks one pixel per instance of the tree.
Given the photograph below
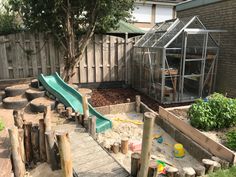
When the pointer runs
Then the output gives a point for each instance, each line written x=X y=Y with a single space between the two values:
x=69 y=20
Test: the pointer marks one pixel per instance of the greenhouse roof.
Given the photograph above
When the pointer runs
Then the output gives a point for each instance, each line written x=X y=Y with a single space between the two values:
x=164 y=33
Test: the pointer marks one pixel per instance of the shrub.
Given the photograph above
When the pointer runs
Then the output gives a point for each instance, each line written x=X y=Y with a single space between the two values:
x=231 y=139
x=1 y=125
x=216 y=112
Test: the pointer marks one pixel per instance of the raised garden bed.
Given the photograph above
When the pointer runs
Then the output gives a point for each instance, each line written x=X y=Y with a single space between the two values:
x=177 y=117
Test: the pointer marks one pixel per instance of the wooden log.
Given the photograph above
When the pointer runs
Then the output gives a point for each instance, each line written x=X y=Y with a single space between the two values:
x=189 y=172
x=209 y=165
x=60 y=108
x=115 y=148
x=149 y=119
x=92 y=126
x=69 y=111
x=85 y=107
x=152 y=170
x=137 y=103
x=49 y=135
x=135 y=163
x=224 y=164
x=35 y=142
x=124 y=145
x=19 y=167
x=18 y=118
x=42 y=146
x=28 y=146
x=21 y=143
x=200 y=170
x=172 y=171
x=217 y=166
x=47 y=123
x=65 y=153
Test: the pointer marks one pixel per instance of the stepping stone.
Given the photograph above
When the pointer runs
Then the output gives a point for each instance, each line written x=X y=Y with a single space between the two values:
x=16 y=102
x=38 y=104
x=34 y=93
x=34 y=83
x=16 y=90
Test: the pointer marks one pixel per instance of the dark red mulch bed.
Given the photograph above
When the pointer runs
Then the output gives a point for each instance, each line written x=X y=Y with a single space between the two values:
x=104 y=97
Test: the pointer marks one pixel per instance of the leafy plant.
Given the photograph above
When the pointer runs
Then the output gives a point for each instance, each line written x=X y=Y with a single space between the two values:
x=1 y=125
x=231 y=139
x=216 y=112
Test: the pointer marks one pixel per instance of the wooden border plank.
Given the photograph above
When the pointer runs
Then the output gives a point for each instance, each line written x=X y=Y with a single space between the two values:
x=210 y=145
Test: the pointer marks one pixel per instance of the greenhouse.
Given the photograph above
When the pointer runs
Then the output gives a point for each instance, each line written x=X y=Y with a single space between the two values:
x=176 y=61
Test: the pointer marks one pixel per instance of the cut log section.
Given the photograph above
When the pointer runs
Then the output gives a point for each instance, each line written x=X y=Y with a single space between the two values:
x=34 y=93
x=34 y=83
x=124 y=145
x=209 y=165
x=200 y=170
x=189 y=172
x=172 y=172
x=17 y=102
x=115 y=148
x=38 y=104
x=16 y=90
x=135 y=163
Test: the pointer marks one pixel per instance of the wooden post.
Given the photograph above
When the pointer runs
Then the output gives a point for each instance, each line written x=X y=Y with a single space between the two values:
x=135 y=163
x=85 y=107
x=21 y=143
x=68 y=112
x=92 y=126
x=209 y=165
x=149 y=119
x=189 y=172
x=28 y=146
x=152 y=170
x=224 y=164
x=47 y=123
x=65 y=153
x=200 y=170
x=217 y=166
x=19 y=167
x=137 y=103
x=60 y=109
x=52 y=148
x=115 y=147
x=42 y=146
x=124 y=145
x=18 y=118
x=35 y=142
x=172 y=172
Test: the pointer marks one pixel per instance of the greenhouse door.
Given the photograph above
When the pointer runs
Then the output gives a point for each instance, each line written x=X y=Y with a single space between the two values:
x=192 y=68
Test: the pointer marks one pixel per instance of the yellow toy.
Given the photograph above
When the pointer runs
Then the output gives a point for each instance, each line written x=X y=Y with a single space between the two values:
x=137 y=122
x=179 y=150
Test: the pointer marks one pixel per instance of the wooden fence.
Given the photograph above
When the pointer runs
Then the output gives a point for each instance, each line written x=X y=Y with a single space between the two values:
x=107 y=58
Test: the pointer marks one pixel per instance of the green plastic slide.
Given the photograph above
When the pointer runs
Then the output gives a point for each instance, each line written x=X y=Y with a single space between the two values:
x=72 y=98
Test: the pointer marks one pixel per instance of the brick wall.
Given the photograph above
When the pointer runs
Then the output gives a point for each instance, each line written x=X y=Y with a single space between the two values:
x=221 y=15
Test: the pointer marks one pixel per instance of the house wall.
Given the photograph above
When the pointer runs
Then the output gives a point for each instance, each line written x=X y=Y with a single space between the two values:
x=220 y=15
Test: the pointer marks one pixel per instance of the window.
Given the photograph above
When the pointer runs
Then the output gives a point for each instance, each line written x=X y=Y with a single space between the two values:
x=142 y=13
x=163 y=13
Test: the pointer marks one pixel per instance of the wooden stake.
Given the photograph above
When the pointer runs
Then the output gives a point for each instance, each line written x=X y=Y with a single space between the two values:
x=224 y=164
x=189 y=172
x=85 y=107
x=152 y=170
x=92 y=126
x=65 y=153
x=137 y=103
x=35 y=142
x=172 y=171
x=28 y=146
x=60 y=108
x=124 y=145
x=21 y=143
x=18 y=118
x=149 y=119
x=42 y=146
x=209 y=165
x=135 y=163
x=217 y=166
x=47 y=123
x=200 y=170
x=68 y=112
x=52 y=148
x=19 y=167
x=115 y=147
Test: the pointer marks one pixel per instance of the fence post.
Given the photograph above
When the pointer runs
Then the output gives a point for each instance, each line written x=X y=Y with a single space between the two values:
x=137 y=103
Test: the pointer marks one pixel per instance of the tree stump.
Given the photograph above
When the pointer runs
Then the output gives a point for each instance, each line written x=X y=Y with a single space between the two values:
x=92 y=126
x=152 y=171
x=217 y=166
x=42 y=146
x=137 y=103
x=209 y=165
x=224 y=164
x=200 y=170
x=69 y=111
x=47 y=123
x=124 y=145
x=135 y=163
x=65 y=153
x=60 y=109
x=19 y=167
x=115 y=148
x=35 y=143
x=189 y=172
x=171 y=171
x=21 y=143
x=28 y=146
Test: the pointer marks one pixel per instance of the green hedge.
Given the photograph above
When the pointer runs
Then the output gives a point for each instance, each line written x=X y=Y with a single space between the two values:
x=215 y=112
